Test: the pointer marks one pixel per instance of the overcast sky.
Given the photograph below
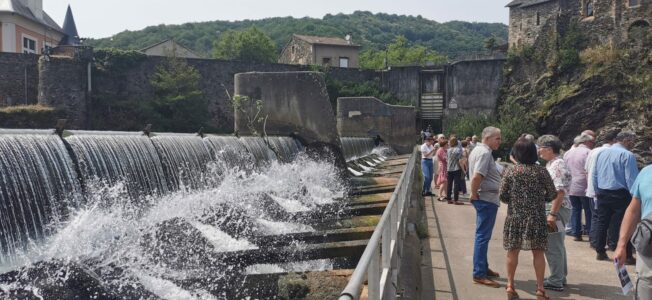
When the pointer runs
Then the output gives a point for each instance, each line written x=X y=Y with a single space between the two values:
x=105 y=18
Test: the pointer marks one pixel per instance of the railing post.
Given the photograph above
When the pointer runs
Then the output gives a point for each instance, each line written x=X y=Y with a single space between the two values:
x=386 y=246
x=373 y=276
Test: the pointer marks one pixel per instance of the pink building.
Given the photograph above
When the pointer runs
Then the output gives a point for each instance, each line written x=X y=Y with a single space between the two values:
x=26 y=28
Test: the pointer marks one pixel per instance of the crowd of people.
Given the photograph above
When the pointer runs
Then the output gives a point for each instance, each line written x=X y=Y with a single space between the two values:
x=592 y=190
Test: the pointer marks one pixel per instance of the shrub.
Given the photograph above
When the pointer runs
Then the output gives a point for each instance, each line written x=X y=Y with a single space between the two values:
x=178 y=97
x=600 y=55
x=468 y=125
x=514 y=120
x=116 y=60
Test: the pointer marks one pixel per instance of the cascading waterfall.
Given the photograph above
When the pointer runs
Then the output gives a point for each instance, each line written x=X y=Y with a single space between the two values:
x=248 y=151
x=202 y=204
x=185 y=159
x=38 y=184
x=230 y=150
x=354 y=147
x=286 y=147
x=115 y=157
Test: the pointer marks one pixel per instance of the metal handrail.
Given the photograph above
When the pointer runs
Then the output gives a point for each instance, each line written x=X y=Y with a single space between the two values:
x=388 y=234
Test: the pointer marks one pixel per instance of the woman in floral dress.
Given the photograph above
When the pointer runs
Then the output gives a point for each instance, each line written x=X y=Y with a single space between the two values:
x=526 y=188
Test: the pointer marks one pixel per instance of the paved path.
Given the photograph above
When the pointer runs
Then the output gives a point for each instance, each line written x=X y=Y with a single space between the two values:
x=449 y=265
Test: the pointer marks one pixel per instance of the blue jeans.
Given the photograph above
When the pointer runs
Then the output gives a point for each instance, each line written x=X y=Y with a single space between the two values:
x=580 y=203
x=426 y=168
x=484 y=226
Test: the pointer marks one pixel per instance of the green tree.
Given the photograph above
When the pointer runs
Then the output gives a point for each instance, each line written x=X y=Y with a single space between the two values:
x=399 y=53
x=249 y=45
x=179 y=101
x=490 y=44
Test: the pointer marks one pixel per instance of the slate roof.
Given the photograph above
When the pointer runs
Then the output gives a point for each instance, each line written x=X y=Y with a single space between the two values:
x=515 y=3
x=320 y=40
x=525 y=3
x=15 y=6
x=70 y=29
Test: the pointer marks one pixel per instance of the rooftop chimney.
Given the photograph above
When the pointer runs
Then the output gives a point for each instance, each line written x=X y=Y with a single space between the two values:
x=36 y=6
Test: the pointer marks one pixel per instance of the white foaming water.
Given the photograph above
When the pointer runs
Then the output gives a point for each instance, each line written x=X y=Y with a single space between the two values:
x=383 y=152
x=222 y=241
x=168 y=290
x=300 y=266
x=355 y=173
x=364 y=167
x=112 y=230
x=274 y=228
x=289 y=204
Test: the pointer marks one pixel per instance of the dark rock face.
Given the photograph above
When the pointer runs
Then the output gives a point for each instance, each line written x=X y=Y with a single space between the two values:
x=606 y=90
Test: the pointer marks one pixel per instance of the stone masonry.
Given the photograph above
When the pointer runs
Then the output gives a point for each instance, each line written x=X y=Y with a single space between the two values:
x=18 y=79
x=603 y=21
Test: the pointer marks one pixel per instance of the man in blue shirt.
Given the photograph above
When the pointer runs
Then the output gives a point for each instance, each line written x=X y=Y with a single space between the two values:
x=613 y=177
x=640 y=208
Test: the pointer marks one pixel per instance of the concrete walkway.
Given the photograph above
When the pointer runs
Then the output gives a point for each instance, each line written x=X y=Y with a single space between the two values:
x=449 y=264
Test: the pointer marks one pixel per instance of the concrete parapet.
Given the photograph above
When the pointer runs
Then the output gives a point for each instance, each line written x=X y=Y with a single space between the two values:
x=368 y=117
x=293 y=103
x=473 y=87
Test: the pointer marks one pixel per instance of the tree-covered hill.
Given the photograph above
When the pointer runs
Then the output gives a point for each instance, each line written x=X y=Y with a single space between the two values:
x=372 y=31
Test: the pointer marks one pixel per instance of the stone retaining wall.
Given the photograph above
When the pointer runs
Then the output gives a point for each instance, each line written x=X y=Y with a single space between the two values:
x=18 y=79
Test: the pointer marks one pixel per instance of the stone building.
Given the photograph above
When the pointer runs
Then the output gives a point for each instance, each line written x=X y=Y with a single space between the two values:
x=26 y=28
x=168 y=47
x=324 y=51
x=603 y=21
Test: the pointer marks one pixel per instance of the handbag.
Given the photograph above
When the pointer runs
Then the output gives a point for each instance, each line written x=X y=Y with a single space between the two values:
x=642 y=237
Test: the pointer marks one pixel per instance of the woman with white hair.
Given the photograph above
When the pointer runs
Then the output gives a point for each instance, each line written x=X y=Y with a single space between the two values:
x=557 y=210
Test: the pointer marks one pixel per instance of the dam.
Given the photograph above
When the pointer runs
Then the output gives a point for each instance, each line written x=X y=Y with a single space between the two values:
x=147 y=215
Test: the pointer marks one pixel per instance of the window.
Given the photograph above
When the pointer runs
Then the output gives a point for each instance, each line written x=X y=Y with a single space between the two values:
x=344 y=62
x=293 y=49
x=29 y=45
x=326 y=61
x=589 y=9
x=634 y=3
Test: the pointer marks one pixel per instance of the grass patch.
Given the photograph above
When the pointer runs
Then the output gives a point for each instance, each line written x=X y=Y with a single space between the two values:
x=599 y=57
x=28 y=116
x=26 y=109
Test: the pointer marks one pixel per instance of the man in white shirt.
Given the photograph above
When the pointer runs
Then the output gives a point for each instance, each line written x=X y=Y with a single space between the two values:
x=427 y=153
x=609 y=139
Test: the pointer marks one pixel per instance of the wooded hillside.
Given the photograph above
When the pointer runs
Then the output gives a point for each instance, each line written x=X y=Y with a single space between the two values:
x=372 y=31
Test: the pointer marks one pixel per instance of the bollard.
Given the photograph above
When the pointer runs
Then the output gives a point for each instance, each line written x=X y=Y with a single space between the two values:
x=60 y=127
x=147 y=130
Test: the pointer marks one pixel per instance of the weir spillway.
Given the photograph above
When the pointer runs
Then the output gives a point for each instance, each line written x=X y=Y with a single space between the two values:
x=123 y=215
